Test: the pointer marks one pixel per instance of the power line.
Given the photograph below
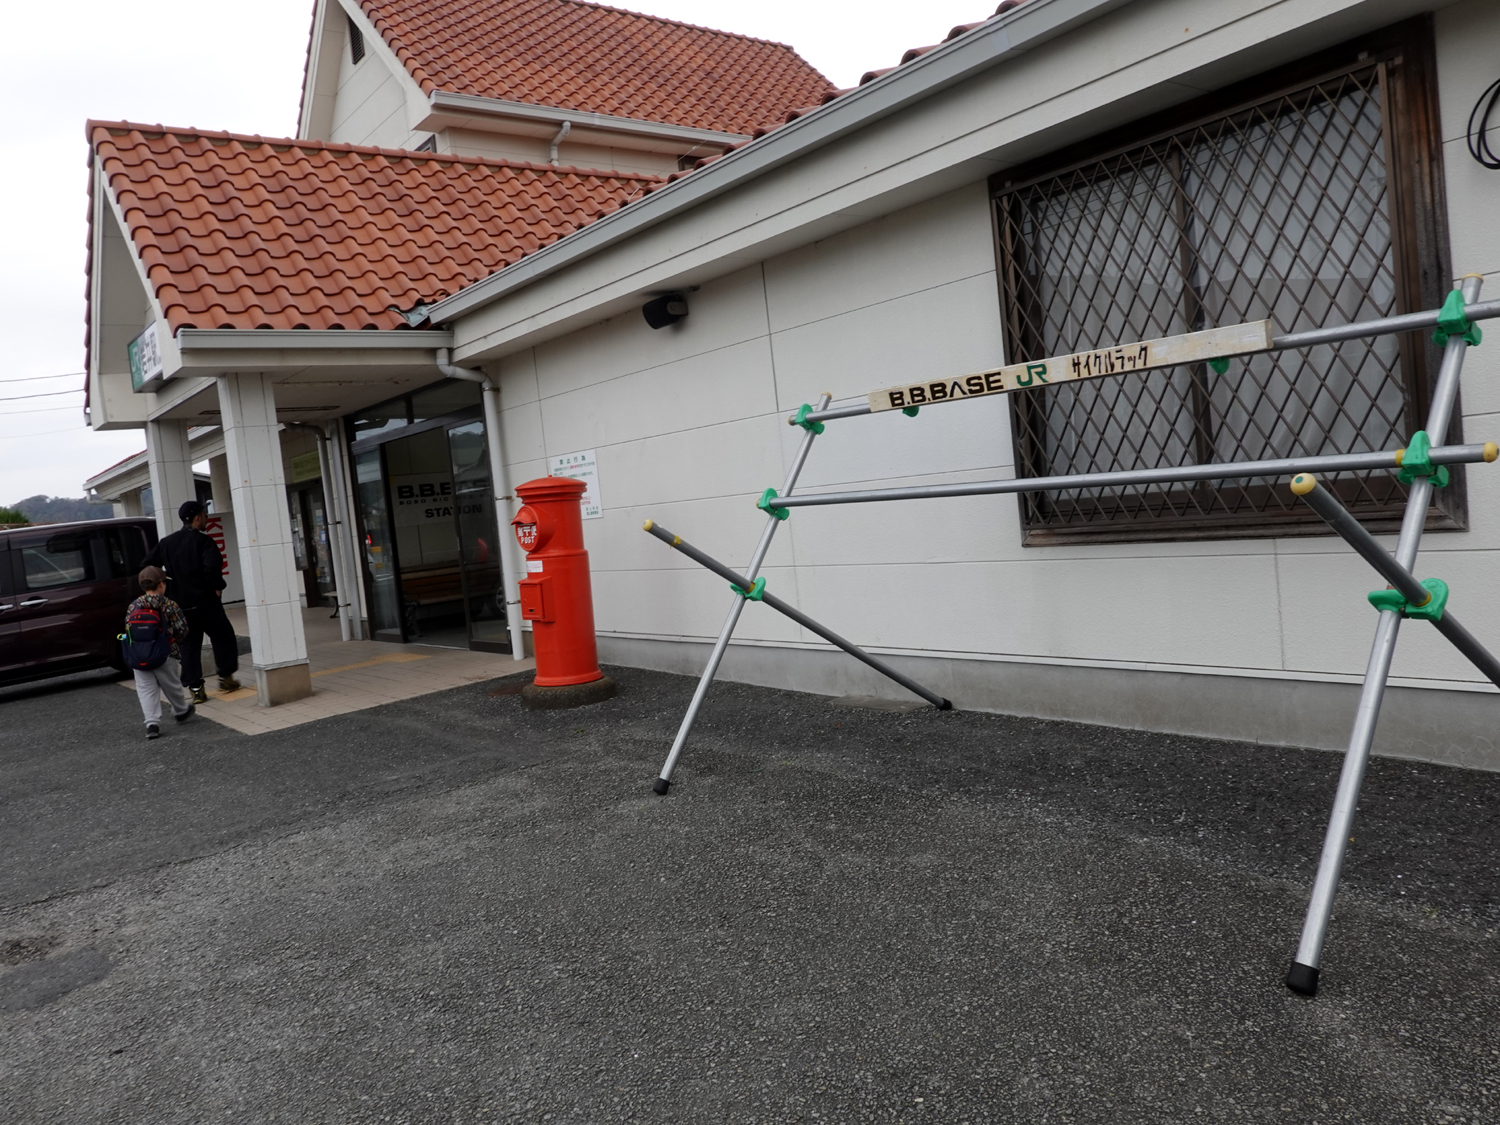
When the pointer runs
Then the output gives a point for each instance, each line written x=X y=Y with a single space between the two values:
x=34 y=378
x=40 y=410
x=43 y=394
x=44 y=433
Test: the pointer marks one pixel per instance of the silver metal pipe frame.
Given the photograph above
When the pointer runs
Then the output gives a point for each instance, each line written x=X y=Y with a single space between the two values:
x=716 y=656
x=1338 y=463
x=1383 y=326
x=1320 y=500
x=1303 y=975
x=676 y=542
x=1354 y=533
x=1469 y=645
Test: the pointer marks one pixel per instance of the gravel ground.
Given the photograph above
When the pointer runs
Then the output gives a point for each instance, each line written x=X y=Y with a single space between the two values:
x=452 y=909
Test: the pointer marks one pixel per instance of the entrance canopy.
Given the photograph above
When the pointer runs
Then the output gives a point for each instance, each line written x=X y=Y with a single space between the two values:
x=311 y=262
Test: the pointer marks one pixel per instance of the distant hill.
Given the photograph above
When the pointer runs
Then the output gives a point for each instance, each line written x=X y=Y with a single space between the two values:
x=61 y=509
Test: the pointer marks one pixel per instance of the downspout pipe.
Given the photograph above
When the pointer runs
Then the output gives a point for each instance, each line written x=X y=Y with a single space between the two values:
x=567 y=127
x=332 y=511
x=510 y=563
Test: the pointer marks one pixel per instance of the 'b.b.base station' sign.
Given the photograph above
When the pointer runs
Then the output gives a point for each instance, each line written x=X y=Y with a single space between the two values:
x=1194 y=347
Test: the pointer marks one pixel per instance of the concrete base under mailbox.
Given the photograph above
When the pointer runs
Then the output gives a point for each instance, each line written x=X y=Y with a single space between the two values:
x=285 y=684
x=1460 y=728
x=569 y=695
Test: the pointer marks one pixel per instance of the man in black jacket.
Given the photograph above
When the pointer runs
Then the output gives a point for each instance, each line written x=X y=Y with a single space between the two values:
x=195 y=581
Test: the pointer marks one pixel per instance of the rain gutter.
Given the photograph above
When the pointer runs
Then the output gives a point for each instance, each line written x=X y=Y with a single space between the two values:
x=999 y=39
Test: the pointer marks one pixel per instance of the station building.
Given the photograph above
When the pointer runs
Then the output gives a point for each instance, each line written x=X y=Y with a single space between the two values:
x=1060 y=175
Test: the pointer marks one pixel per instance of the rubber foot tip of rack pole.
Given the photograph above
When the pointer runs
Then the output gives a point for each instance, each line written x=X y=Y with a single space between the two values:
x=945 y=705
x=648 y=525
x=1303 y=483
x=1491 y=451
x=661 y=787
x=1302 y=979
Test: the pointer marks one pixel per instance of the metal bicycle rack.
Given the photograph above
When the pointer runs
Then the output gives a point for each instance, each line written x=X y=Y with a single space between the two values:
x=1421 y=465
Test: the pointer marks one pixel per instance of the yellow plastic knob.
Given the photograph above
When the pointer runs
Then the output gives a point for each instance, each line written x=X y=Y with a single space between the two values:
x=1303 y=483
x=648 y=525
x=1491 y=451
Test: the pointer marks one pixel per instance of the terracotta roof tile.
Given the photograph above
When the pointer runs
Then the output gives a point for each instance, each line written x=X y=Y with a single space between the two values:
x=244 y=232
x=833 y=95
x=596 y=59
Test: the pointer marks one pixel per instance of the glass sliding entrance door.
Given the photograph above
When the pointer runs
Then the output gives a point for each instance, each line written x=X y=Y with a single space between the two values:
x=379 y=548
x=419 y=473
x=431 y=536
x=478 y=537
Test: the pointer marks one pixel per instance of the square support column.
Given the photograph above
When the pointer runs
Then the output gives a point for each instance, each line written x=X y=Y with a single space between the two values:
x=218 y=475
x=171 y=471
x=257 y=485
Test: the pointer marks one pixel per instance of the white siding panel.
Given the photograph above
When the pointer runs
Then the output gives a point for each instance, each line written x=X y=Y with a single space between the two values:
x=728 y=384
x=1330 y=624
x=1101 y=609
x=517 y=375
x=682 y=603
x=728 y=311
x=727 y=460
x=921 y=248
x=949 y=329
x=521 y=433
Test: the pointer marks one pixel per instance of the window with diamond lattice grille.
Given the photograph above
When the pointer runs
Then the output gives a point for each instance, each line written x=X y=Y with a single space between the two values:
x=1307 y=202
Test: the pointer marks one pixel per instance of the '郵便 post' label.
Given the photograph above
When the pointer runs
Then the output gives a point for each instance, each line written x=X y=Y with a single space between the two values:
x=1194 y=347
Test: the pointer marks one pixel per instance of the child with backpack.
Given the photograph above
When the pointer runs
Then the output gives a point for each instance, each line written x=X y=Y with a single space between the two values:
x=154 y=624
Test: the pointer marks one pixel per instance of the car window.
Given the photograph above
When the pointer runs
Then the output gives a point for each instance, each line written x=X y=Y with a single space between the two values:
x=60 y=560
x=126 y=547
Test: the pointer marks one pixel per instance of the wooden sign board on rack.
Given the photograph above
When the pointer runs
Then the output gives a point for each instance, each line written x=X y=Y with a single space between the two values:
x=1193 y=347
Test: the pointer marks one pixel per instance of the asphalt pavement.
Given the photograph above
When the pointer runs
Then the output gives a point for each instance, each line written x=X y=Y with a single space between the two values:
x=453 y=909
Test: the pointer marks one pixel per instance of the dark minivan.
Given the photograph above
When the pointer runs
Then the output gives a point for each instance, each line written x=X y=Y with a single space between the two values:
x=64 y=589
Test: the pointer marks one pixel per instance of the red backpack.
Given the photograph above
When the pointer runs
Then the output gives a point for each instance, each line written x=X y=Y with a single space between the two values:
x=145 y=644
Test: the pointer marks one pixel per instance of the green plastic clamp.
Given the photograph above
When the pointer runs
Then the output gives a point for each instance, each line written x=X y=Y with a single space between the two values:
x=1431 y=610
x=1221 y=364
x=756 y=593
x=910 y=411
x=800 y=419
x=1453 y=322
x=1416 y=461
x=765 y=505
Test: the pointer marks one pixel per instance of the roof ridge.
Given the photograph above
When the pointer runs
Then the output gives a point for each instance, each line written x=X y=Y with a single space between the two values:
x=401 y=153
x=690 y=26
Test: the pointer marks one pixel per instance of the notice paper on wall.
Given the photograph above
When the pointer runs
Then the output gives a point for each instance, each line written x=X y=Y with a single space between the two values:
x=584 y=467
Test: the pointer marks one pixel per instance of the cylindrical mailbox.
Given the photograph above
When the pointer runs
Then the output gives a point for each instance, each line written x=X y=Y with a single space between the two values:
x=556 y=596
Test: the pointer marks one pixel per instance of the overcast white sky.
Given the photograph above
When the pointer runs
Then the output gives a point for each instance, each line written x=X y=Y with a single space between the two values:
x=220 y=65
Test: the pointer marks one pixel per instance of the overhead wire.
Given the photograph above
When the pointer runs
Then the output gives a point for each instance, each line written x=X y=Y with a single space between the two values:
x=44 y=394
x=44 y=433
x=41 y=410
x=35 y=378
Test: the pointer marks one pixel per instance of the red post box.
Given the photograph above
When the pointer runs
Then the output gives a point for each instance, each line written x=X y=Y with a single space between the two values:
x=556 y=596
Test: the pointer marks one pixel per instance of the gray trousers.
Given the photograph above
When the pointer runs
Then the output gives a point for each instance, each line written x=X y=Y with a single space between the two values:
x=151 y=685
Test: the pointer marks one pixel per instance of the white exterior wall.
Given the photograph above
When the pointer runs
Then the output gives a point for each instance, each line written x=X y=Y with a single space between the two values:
x=370 y=107
x=689 y=427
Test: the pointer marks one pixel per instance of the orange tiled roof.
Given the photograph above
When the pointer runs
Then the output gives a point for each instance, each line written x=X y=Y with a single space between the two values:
x=574 y=55
x=833 y=95
x=245 y=232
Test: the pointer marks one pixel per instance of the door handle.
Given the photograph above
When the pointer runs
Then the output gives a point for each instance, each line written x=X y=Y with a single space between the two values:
x=28 y=603
x=7 y=607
